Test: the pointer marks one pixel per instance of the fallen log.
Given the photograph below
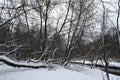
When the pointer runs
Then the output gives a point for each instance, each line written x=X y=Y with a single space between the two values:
x=12 y=63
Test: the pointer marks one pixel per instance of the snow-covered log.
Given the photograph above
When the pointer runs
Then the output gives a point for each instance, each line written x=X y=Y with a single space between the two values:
x=12 y=63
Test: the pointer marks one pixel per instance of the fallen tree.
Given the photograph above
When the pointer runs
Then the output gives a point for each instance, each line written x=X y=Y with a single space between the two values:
x=12 y=63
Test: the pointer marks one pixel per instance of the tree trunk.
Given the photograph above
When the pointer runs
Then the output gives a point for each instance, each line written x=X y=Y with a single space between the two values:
x=10 y=62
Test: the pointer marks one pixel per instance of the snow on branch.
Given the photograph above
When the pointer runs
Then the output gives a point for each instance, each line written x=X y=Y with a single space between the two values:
x=12 y=63
x=13 y=50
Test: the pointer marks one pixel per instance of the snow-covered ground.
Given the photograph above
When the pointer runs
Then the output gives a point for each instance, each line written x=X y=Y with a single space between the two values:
x=72 y=72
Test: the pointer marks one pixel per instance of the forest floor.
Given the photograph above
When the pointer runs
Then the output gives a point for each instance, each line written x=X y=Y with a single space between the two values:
x=71 y=72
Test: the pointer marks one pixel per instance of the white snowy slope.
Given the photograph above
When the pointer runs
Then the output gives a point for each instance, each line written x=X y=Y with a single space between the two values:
x=59 y=73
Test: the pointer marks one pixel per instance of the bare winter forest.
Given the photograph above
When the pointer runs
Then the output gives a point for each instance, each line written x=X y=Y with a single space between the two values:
x=48 y=33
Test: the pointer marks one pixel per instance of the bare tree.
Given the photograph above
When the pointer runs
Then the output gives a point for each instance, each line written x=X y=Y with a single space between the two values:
x=81 y=9
x=105 y=55
x=118 y=30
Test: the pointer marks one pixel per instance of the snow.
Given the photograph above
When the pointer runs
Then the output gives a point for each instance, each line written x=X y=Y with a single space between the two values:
x=19 y=63
x=114 y=63
x=99 y=62
x=72 y=72
x=81 y=61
